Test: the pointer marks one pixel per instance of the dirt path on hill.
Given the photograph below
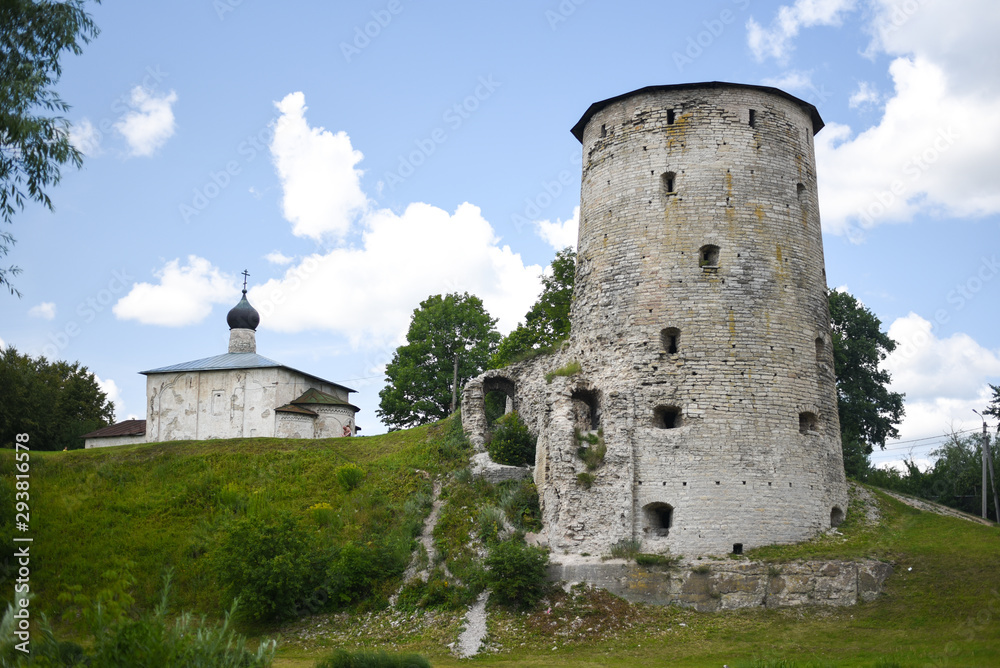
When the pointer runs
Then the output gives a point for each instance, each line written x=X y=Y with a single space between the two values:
x=931 y=507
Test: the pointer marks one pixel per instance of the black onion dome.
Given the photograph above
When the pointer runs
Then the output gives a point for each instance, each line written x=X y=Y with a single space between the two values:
x=243 y=316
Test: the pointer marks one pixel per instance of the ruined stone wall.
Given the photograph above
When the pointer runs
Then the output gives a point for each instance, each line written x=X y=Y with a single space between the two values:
x=700 y=322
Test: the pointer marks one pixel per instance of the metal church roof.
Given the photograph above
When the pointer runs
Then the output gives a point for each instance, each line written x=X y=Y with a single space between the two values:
x=234 y=361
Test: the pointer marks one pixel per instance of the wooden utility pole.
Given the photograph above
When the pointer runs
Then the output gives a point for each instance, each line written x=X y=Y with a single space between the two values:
x=988 y=464
x=993 y=477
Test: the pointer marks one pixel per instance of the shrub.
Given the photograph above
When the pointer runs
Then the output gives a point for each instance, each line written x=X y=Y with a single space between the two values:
x=359 y=570
x=511 y=443
x=593 y=456
x=656 y=560
x=520 y=502
x=350 y=476
x=367 y=659
x=585 y=479
x=490 y=524
x=322 y=514
x=268 y=564
x=517 y=573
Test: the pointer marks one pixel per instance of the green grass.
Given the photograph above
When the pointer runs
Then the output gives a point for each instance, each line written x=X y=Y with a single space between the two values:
x=569 y=369
x=161 y=505
x=158 y=505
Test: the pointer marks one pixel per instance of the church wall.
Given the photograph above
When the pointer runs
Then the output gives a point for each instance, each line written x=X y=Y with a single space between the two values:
x=225 y=403
x=113 y=440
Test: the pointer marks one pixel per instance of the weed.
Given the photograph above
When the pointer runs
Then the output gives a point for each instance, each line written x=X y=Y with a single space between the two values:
x=567 y=370
x=350 y=476
x=585 y=480
x=657 y=560
x=703 y=569
x=626 y=548
x=368 y=659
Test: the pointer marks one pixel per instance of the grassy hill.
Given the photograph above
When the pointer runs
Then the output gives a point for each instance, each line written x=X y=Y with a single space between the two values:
x=148 y=508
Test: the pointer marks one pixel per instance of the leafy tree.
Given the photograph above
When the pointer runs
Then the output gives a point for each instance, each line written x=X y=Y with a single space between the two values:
x=868 y=411
x=450 y=340
x=994 y=407
x=547 y=322
x=34 y=139
x=54 y=402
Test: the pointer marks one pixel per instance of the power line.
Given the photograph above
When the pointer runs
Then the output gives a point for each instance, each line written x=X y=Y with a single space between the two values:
x=895 y=445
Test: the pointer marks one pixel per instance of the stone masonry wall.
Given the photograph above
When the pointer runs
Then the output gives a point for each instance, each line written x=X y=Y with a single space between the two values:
x=700 y=323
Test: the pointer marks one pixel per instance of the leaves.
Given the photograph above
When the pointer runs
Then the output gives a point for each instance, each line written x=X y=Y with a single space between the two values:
x=34 y=139
x=54 y=402
x=547 y=322
x=869 y=412
x=450 y=339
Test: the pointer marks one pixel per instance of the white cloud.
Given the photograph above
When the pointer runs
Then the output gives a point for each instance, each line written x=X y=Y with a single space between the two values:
x=792 y=80
x=368 y=290
x=113 y=392
x=322 y=189
x=775 y=41
x=45 y=311
x=403 y=259
x=277 y=257
x=865 y=95
x=3 y=344
x=150 y=121
x=561 y=233
x=933 y=151
x=943 y=379
x=85 y=137
x=184 y=295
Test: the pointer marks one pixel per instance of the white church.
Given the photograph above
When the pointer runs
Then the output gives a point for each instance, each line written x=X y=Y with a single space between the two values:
x=235 y=395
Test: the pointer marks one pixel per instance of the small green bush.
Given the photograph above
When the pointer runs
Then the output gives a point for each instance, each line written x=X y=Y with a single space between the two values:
x=517 y=573
x=490 y=524
x=520 y=502
x=585 y=479
x=350 y=476
x=367 y=659
x=511 y=442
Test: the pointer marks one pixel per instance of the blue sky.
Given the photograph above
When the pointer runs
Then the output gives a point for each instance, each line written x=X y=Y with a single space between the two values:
x=358 y=157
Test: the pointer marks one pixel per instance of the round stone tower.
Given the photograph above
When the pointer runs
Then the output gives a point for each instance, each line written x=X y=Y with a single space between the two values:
x=700 y=287
x=694 y=408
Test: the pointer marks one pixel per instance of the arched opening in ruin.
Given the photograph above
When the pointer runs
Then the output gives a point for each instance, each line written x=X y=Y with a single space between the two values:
x=808 y=422
x=498 y=397
x=820 y=349
x=708 y=256
x=667 y=417
x=836 y=516
x=657 y=518
x=670 y=339
x=586 y=410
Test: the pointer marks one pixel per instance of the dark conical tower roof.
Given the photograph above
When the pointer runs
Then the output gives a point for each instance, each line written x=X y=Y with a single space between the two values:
x=243 y=316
